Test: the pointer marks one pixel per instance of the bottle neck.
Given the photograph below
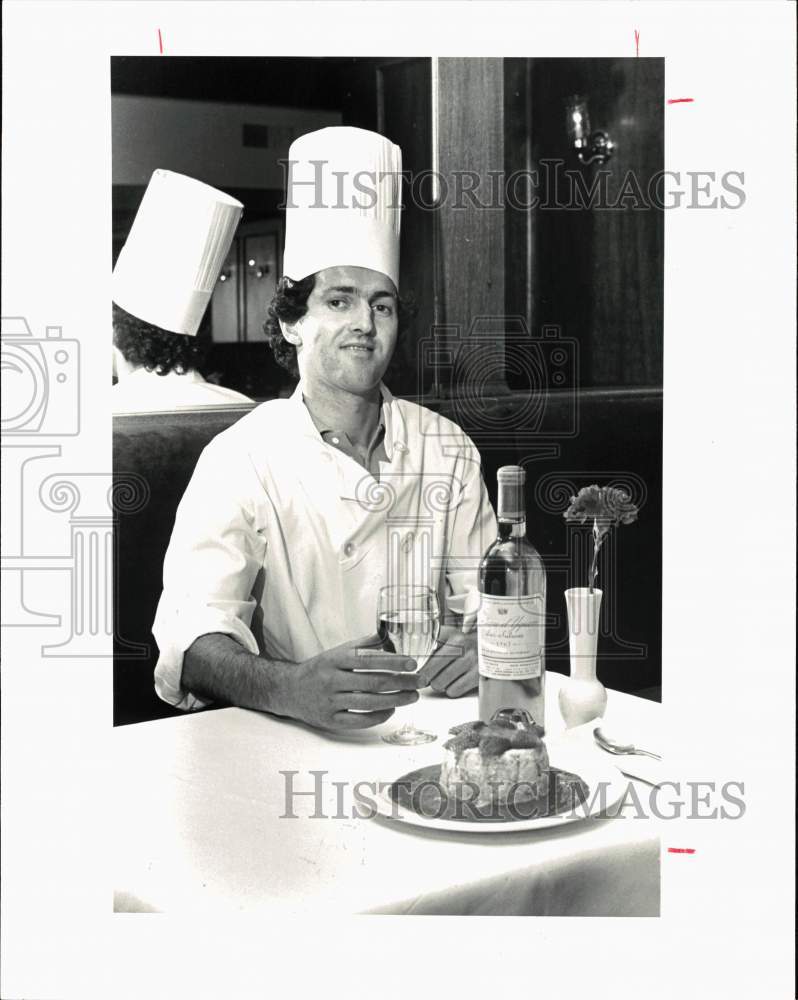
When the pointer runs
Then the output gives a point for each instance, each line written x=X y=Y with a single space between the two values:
x=512 y=529
x=510 y=509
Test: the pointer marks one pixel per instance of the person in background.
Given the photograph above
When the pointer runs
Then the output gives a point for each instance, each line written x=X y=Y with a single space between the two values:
x=162 y=284
x=300 y=512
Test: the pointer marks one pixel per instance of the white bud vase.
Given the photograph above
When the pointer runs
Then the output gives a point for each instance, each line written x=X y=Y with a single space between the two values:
x=582 y=697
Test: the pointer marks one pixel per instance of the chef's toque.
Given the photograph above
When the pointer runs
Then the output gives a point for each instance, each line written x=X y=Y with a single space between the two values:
x=343 y=203
x=167 y=269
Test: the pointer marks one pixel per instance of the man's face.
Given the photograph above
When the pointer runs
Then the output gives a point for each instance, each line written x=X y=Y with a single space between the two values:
x=346 y=338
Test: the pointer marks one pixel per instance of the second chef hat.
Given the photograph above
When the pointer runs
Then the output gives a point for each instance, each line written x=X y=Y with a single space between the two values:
x=169 y=265
x=343 y=203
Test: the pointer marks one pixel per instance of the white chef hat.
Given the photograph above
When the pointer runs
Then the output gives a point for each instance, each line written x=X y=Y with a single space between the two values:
x=167 y=269
x=343 y=203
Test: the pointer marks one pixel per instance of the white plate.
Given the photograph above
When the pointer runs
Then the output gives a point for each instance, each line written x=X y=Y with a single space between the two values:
x=598 y=776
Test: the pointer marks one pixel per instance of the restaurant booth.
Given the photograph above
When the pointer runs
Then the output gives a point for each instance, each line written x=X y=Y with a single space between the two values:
x=156 y=453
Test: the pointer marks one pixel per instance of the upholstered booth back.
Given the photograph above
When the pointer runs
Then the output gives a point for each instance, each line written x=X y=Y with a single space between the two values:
x=610 y=437
x=160 y=449
x=565 y=442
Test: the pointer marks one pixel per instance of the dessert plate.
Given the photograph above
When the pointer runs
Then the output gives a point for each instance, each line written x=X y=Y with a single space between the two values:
x=417 y=798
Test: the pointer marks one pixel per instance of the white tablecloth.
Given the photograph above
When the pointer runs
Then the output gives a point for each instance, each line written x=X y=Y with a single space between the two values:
x=202 y=825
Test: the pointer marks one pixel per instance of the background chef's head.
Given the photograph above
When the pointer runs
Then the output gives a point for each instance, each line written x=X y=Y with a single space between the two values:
x=337 y=310
x=167 y=270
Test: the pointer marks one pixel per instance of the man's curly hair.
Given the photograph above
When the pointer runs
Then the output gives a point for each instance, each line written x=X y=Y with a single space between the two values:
x=290 y=303
x=148 y=346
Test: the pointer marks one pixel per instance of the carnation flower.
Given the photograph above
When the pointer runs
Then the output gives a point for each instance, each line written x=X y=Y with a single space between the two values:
x=606 y=506
x=605 y=503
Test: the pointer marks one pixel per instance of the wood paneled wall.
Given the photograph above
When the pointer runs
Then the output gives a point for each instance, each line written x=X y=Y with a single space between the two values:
x=597 y=272
x=471 y=138
x=452 y=253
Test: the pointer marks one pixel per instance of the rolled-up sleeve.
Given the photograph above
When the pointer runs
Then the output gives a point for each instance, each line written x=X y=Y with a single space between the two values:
x=472 y=527
x=215 y=553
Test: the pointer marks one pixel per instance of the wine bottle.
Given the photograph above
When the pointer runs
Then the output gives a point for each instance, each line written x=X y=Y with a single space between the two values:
x=511 y=620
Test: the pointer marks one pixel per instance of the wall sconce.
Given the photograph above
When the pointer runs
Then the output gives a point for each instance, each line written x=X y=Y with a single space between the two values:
x=259 y=270
x=226 y=275
x=591 y=147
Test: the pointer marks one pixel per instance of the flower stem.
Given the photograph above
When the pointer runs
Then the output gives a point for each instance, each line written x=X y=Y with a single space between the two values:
x=597 y=540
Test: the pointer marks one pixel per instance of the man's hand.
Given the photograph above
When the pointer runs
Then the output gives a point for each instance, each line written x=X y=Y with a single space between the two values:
x=348 y=687
x=452 y=669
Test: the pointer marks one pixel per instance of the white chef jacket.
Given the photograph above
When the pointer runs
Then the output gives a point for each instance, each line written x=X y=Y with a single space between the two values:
x=142 y=392
x=282 y=541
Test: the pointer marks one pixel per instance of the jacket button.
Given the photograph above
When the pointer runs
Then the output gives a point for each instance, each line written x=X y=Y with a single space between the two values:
x=349 y=548
x=400 y=447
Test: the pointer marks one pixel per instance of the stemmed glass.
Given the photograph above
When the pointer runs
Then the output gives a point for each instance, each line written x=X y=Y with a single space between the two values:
x=408 y=623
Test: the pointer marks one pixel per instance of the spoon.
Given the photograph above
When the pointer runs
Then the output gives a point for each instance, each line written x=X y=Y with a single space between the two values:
x=620 y=748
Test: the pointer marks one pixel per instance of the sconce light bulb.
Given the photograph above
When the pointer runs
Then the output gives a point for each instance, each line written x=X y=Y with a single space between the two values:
x=251 y=263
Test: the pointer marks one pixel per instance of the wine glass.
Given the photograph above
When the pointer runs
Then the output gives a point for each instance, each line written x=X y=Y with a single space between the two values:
x=408 y=623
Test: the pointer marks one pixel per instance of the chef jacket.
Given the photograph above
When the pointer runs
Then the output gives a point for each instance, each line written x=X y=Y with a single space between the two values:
x=375 y=450
x=283 y=541
x=142 y=392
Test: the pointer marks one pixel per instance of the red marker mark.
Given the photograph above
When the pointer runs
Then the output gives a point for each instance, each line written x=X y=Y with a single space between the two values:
x=681 y=850
x=681 y=100
x=160 y=41
x=637 y=42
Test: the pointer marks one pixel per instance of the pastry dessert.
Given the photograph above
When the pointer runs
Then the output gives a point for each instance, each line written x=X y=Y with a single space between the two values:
x=505 y=759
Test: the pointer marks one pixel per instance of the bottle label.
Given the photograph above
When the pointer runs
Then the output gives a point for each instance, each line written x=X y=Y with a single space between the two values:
x=511 y=635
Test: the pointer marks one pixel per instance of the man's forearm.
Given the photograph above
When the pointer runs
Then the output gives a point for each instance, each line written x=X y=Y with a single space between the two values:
x=217 y=668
